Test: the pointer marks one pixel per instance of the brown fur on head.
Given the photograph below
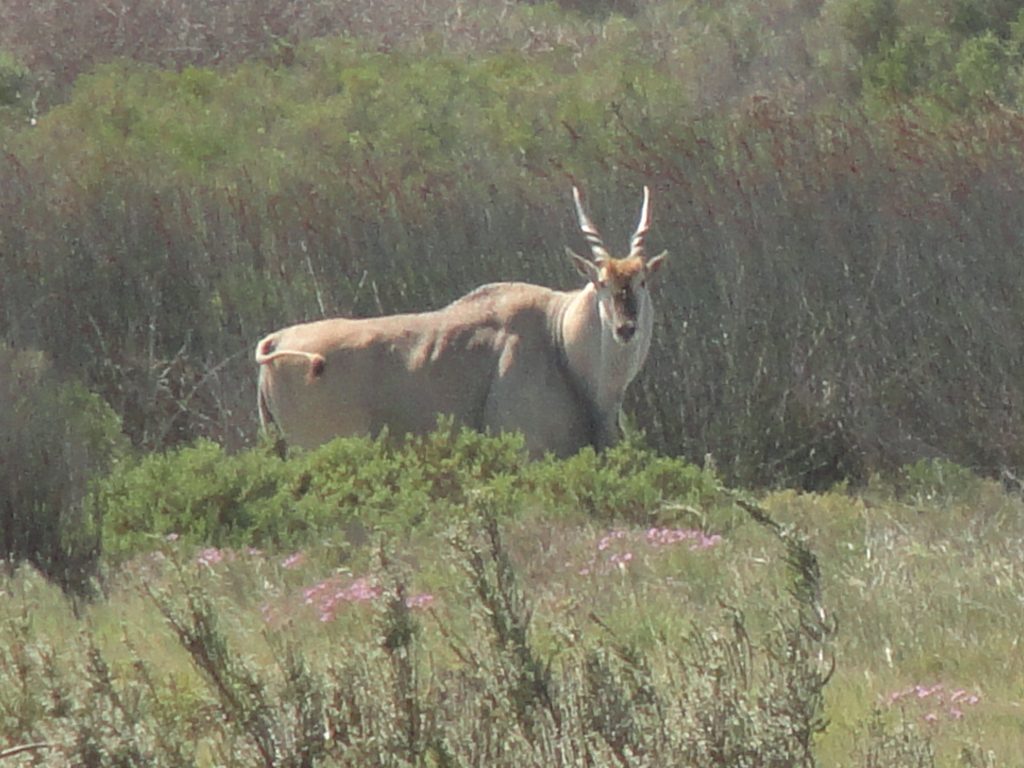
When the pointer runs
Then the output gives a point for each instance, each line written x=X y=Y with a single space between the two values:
x=617 y=272
x=620 y=271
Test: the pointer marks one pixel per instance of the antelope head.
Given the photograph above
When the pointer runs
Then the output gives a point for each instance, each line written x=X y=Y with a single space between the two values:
x=621 y=284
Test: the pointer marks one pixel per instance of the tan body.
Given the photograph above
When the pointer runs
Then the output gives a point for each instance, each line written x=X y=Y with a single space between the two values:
x=507 y=357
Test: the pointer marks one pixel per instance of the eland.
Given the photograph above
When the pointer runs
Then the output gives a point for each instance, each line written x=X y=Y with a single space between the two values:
x=507 y=357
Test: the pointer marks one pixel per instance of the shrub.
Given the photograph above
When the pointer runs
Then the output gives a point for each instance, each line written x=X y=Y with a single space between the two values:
x=13 y=79
x=203 y=495
x=938 y=481
x=55 y=438
x=628 y=483
x=197 y=494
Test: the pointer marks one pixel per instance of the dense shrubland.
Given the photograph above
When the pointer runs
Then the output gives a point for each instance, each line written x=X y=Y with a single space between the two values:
x=445 y=602
x=842 y=296
x=839 y=186
x=55 y=439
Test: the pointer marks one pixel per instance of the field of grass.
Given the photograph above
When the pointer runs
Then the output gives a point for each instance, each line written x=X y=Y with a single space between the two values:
x=625 y=610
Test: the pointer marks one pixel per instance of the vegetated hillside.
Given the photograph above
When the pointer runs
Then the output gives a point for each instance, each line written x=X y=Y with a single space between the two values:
x=837 y=184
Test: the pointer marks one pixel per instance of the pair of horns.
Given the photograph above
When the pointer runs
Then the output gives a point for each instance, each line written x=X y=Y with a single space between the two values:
x=636 y=245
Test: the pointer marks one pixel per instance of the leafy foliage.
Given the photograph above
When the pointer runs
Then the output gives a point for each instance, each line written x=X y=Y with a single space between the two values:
x=55 y=438
x=202 y=495
x=13 y=79
x=174 y=203
x=820 y=629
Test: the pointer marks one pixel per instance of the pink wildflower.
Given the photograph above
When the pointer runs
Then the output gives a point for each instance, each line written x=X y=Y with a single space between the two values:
x=897 y=695
x=360 y=590
x=328 y=595
x=311 y=594
x=422 y=600
x=620 y=559
x=607 y=539
x=663 y=537
x=293 y=560
x=961 y=696
x=706 y=542
x=210 y=557
x=927 y=696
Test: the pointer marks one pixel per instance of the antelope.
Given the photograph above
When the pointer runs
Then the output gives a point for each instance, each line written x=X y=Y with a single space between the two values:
x=507 y=357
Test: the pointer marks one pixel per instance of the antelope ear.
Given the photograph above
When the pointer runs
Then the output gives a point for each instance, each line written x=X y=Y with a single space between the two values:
x=585 y=267
x=654 y=264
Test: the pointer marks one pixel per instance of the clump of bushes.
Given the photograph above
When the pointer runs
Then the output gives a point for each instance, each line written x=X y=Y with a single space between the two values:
x=203 y=495
x=55 y=437
x=13 y=79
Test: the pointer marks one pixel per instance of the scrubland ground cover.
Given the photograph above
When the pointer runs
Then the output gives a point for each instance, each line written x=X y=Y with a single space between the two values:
x=839 y=185
x=446 y=602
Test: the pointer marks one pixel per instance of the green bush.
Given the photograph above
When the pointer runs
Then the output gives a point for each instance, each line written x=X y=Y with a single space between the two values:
x=13 y=79
x=55 y=438
x=938 y=481
x=628 y=483
x=201 y=495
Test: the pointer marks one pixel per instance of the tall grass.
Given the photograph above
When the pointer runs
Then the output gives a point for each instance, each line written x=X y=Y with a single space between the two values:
x=840 y=296
x=474 y=674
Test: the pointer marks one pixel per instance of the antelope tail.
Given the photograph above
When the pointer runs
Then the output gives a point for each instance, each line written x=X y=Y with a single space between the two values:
x=265 y=353
x=266 y=415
